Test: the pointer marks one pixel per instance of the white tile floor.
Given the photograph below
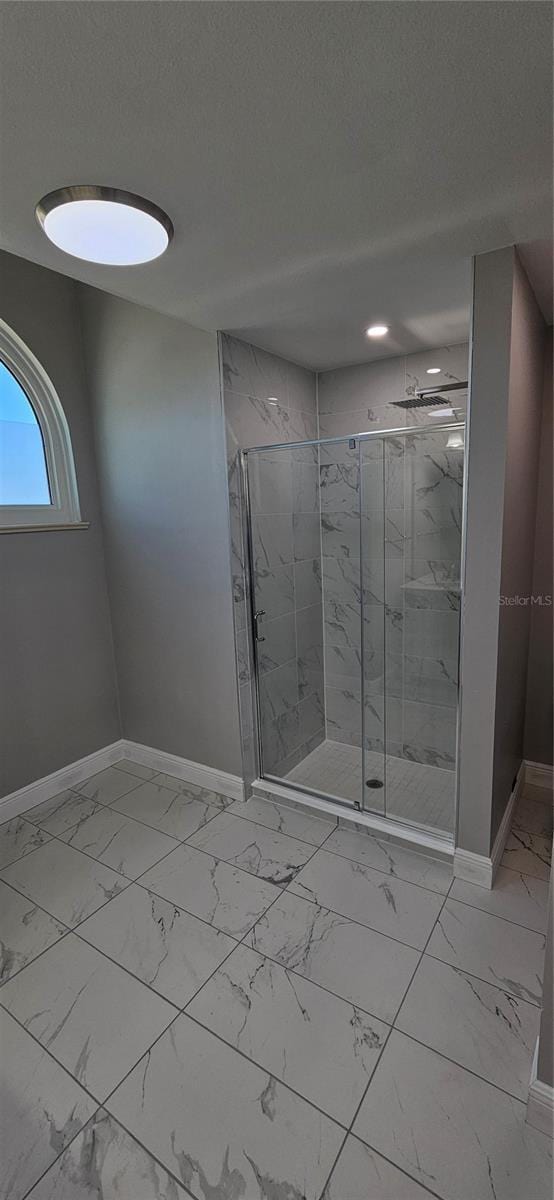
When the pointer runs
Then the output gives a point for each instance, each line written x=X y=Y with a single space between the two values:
x=243 y=1002
x=414 y=792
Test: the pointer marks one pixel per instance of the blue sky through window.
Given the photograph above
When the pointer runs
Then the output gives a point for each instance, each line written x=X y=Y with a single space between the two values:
x=23 y=475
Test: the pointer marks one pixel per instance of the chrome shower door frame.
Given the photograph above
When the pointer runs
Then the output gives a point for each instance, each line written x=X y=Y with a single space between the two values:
x=246 y=515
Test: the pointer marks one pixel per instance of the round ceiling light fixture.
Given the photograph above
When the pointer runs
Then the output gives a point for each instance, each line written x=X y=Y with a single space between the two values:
x=377 y=331
x=104 y=225
x=434 y=370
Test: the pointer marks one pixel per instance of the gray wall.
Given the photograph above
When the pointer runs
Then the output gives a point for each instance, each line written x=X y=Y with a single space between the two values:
x=269 y=400
x=154 y=384
x=518 y=538
x=506 y=387
x=539 y=718
x=58 y=694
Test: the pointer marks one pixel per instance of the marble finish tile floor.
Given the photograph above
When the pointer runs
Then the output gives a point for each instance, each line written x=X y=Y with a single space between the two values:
x=415 y=792
x=224 y=1001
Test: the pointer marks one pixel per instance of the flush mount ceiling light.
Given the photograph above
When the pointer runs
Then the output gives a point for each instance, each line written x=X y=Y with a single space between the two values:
x=104 y=225
x=433 y=370
x=377 y=331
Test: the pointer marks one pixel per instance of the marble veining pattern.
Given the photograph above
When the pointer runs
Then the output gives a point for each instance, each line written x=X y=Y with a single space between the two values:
x=251 y=1094
x=173 y=813
x=222 y=895
x=451 y=1131
x=67 y=884
x=516 y=897
x=529 y=853
x=286 y=819
x=384 y=855
x=364 y=967
x=25 y=931
x=41 y=1109
x=108 y=785
x=389 y=905
x=164 y=946
x=17 y=838
x=105 y=1162
x=125 y=845
x=94 y=1018
x=193 y=791
x=491 y=1032
x=61 y=812
x=322 y=1047
x=222 y=1124
x=271 y=856
x=493 y=949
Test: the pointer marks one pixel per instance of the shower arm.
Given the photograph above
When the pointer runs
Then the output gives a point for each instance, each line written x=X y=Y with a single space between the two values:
x=437 y=391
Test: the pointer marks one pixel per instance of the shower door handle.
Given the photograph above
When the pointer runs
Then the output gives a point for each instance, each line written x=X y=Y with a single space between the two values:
x=257 y=615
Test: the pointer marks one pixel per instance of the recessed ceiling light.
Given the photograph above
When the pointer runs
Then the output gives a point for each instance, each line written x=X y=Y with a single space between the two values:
x=433 y=370
x=377 y=330
x=104 y=225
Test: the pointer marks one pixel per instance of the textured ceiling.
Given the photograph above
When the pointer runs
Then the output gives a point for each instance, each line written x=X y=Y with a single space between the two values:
x=325 y=164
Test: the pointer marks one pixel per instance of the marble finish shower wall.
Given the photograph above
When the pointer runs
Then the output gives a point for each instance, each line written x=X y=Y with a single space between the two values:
x=412 y=489
x=268 y=400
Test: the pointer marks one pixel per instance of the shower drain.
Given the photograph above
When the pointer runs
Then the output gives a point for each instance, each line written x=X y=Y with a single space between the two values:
x=374 y=783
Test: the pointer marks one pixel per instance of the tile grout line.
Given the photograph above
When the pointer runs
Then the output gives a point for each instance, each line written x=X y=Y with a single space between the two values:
x=137 y=978
x=111 y=808
x=479 y=978
x=488 y=913
x=266 y=1071
x=99 y=1103
x=183 y=1010
x=94 y=1117
x=420 y=959
x=129 y=882
x=380 y=1059
x=297 y=838
x=68 y=928
x=261 y=915
x=379 y=1154
x=391 y=874
x=462 y=1067
x=84 y=1088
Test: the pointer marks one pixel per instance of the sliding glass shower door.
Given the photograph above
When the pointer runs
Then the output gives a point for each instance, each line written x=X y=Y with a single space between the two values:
x=317 y=603
x=286 y=601
x=354 y=551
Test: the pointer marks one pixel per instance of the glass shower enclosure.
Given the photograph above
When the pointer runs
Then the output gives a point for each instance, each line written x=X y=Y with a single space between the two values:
x=354 y=549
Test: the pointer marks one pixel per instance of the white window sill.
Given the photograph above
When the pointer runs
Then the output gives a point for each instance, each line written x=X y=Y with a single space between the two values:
x=44 y=528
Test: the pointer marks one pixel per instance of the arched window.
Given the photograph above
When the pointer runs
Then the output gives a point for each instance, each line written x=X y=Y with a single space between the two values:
x=37 y=473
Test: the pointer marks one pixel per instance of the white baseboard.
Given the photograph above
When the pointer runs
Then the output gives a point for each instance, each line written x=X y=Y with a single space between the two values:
x=539 y=774
x=43 y=789
x=477 y=868
x=540 y=1102
x=473 y=868
x=185 y=768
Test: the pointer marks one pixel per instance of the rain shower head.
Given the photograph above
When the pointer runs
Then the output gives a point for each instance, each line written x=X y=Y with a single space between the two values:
x=428 y=398
x=420 y=402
